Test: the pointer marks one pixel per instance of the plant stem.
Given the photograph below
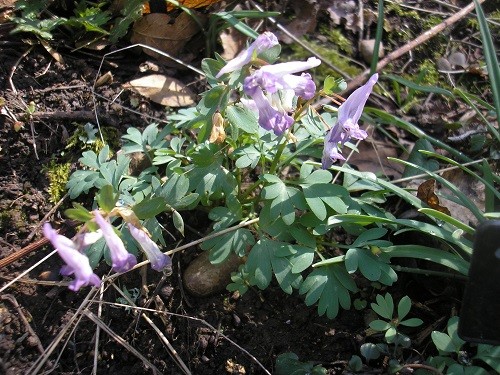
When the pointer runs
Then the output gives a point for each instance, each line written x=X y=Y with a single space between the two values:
x=281 y=148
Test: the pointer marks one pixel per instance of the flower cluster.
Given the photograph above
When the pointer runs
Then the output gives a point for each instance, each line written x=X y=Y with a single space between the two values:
x=347 y=126
x=273 y=87
x=77 y=263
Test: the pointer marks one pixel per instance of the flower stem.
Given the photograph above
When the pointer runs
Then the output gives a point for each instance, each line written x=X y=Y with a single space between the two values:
x=281 y=148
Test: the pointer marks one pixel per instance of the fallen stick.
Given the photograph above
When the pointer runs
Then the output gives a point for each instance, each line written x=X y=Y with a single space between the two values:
x=422 y=38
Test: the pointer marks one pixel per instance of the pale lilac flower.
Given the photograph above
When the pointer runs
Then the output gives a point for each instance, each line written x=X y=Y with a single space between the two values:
x=264 y=85
x=269 y=117
x=347 y=126
x=272 y=78
x=121 y=259
x=263 y=42
x=159 y=261
x=76 y=263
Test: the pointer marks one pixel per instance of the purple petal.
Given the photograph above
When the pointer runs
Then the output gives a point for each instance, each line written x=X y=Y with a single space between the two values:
x=352 y=108
x=269 y=117
x=303 y=85
x=76 y=263
x=291 y=67
x=159 y=261
x=121 y=259
x=263 y=42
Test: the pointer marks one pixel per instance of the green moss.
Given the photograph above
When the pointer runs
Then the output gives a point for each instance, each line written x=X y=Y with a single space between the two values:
x=58 y=175
x=337 y=37
x=432 y=77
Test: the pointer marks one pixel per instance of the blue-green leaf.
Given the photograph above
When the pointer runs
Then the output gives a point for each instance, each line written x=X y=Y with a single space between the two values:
x=330 y=287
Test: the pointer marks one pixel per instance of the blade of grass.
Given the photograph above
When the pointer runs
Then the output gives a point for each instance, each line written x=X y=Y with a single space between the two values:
x=489 y=125
x=447 y=219
x=490 y=57
x=417 y=87
x=378 y=37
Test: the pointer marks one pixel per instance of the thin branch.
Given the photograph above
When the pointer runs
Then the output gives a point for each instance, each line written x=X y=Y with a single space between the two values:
x=422 y=38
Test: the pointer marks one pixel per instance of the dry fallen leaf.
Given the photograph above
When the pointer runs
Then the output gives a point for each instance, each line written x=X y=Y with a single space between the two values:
x=232 y=42
x=157 y=30
x=425 y=193
x=162 y=90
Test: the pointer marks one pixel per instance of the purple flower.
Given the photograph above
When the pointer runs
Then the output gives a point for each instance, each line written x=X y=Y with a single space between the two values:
x=121 y=259
x=269 y=117
x=159 y=261
x=263 y=42
x=272 y=78
x=347 y=126
x=278 y=82
x=76 y=263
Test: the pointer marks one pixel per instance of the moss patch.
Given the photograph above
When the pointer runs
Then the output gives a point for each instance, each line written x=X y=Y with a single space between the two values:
x=58 y=175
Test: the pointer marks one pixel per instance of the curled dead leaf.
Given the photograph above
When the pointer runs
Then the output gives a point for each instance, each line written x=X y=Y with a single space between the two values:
x=163 y=90
x=426 y=194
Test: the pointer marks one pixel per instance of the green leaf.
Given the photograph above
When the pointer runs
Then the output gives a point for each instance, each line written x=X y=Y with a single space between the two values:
x=248 y=156
x=438 y=256
x=289 y=364
x=263 y=262
x=95 y=252
x=285 y=199
x=107 y=198
x=490 y=355
x=370 y=351
x=222 y=246
x=368 y=235
x=404 y=307
x=380 y=325
x=384 y=306
x=209 y=177
x=371 y=266
x=412 y=322
x=78 y=213
x=334 y=85
x=319 y=196
x=330 y=287
x=243 y=118
x=442 y=341
x=149 y=208
x=416 y=157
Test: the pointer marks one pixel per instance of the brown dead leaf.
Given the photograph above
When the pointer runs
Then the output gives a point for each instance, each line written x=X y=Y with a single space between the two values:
x=232 y=42
x=158 y=31
x=425 y=193
x=162 y=90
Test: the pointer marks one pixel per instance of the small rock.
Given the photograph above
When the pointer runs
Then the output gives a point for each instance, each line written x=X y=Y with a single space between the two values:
x=366 y=49
x=203 y=278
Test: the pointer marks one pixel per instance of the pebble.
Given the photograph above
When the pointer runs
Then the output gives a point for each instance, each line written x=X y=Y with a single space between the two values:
x=202 y=278
x=366 y=49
